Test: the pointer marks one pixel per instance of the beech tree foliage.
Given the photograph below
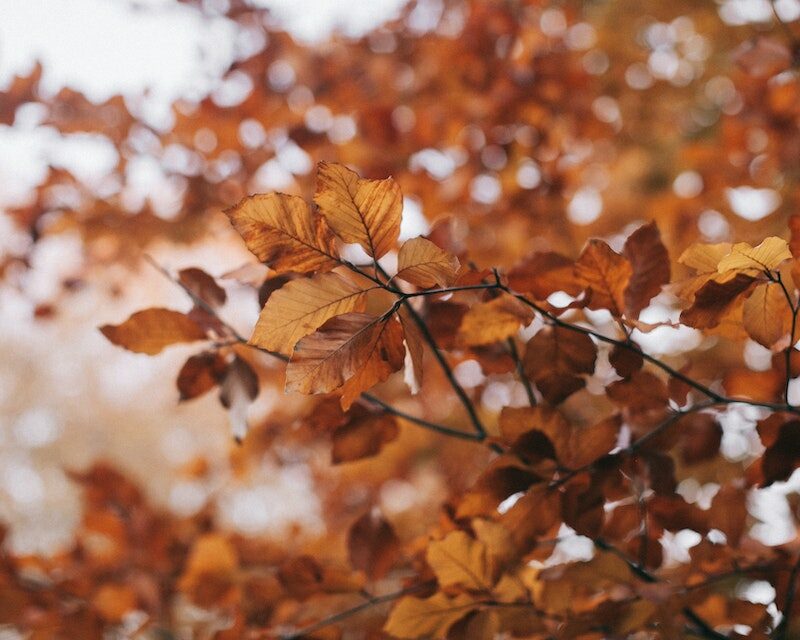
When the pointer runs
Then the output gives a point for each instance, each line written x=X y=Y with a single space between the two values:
x=566 y=342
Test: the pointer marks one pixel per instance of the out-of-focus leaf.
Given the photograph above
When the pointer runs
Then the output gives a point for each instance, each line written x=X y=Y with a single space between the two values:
x=199 y=374
x=427 y=618
x=362 y=437
x=459 y=559
x=493 y=321
x=555 y=358
x=542 y=274
x=372 y=545
x=152 y=330
x=203 y=286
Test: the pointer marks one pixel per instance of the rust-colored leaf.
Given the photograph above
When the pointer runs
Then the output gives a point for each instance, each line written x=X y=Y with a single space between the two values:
x=372 y=545
x=606 y=274
x=650 y=263
x=555 y=358
x=493 y=321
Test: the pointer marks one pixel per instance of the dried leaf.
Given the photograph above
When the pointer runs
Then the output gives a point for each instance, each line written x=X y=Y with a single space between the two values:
x=715 y=299
x=459 y=559
x=496 y=320
x=767 y=316
x=360 y=211
x=199 y=374
x=283 y=232
x=427 y=618
x=301 y=306
x=203 y=286
x=542 y=274
x=423 y=264
x=372 y=545
x=650 y=263
x=362 y=437
x=766 y=256
x=152 y=330
x=341 y=348
x=606 y=275
x=555 y=358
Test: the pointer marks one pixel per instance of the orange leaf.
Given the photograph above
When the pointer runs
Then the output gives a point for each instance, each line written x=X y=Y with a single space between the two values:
x=606 y=274
x=767 y=317
x=372 y=545
x=493 y=321
x=152 y=330
x=542 y=274
x=360 y=211
x=423 y=264
x=340 y=349
x=283 y=232
x=301 y=306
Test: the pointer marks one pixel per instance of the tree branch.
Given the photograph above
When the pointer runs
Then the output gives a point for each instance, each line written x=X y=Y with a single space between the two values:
x=512 y=348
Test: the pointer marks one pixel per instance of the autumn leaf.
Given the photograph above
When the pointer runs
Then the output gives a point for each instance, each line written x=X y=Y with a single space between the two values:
x=203 y=286
x=606 y=275
x=715 y=299
x=495 y=320
x=427 y=618
x=765 y=257
x=767 y=317
x=362 y=437
x=459 y=559
x=650 y=263
x=237 y=391
x=152 y=330
x=341 y=348
x=372 y=545
x=386 y=355
x=543 y=273
x=423 y=264
x=555 y=358
x=360 y=211
x=199 y=374
x=283 y=232
x=301 y=306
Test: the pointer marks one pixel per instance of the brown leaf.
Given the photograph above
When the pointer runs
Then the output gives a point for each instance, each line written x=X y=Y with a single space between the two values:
x=283 y=232
x=372 y=545
x=341 y=348
x=650 y=263
x=423 y=264
x=495 y=320
x=606 y=274
x=542 y=274
x=203 y=286
x=199 y=374
x=362 y=437
x=625 y=361
x=701 y=436
x=238 y=390
x=386 y=355
x=152 y=330
x=301 y=306
x=715 y=299
x=767 y=316
x=782 y=457
x=554 y=359
x=360 y=211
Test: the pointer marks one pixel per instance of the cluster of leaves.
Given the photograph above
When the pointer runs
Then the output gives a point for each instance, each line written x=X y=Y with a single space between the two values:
x=610 y=474
x=594 y=446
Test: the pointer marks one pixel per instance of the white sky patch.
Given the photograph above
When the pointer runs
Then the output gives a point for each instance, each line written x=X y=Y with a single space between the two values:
x=753 y=204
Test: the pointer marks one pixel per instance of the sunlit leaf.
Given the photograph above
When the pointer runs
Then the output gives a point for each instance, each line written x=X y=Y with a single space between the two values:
x=152 y=330
x=422 y=263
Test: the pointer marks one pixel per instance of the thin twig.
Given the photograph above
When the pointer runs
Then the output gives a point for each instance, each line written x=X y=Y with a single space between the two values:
x=526 y=383
x=348 y=613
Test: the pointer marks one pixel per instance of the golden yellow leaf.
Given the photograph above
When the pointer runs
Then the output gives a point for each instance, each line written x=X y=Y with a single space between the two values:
x=427 y=618
x=386 y=355
x=344 y=345
x=766 y=315
x=284 y=232
x=705 y=258
x=152 y=330
x=493 y=321
x=460 y=559
x=606 y=274
x=423 y=264
x=366 y=212
x=766 y=256
x=302 y=306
